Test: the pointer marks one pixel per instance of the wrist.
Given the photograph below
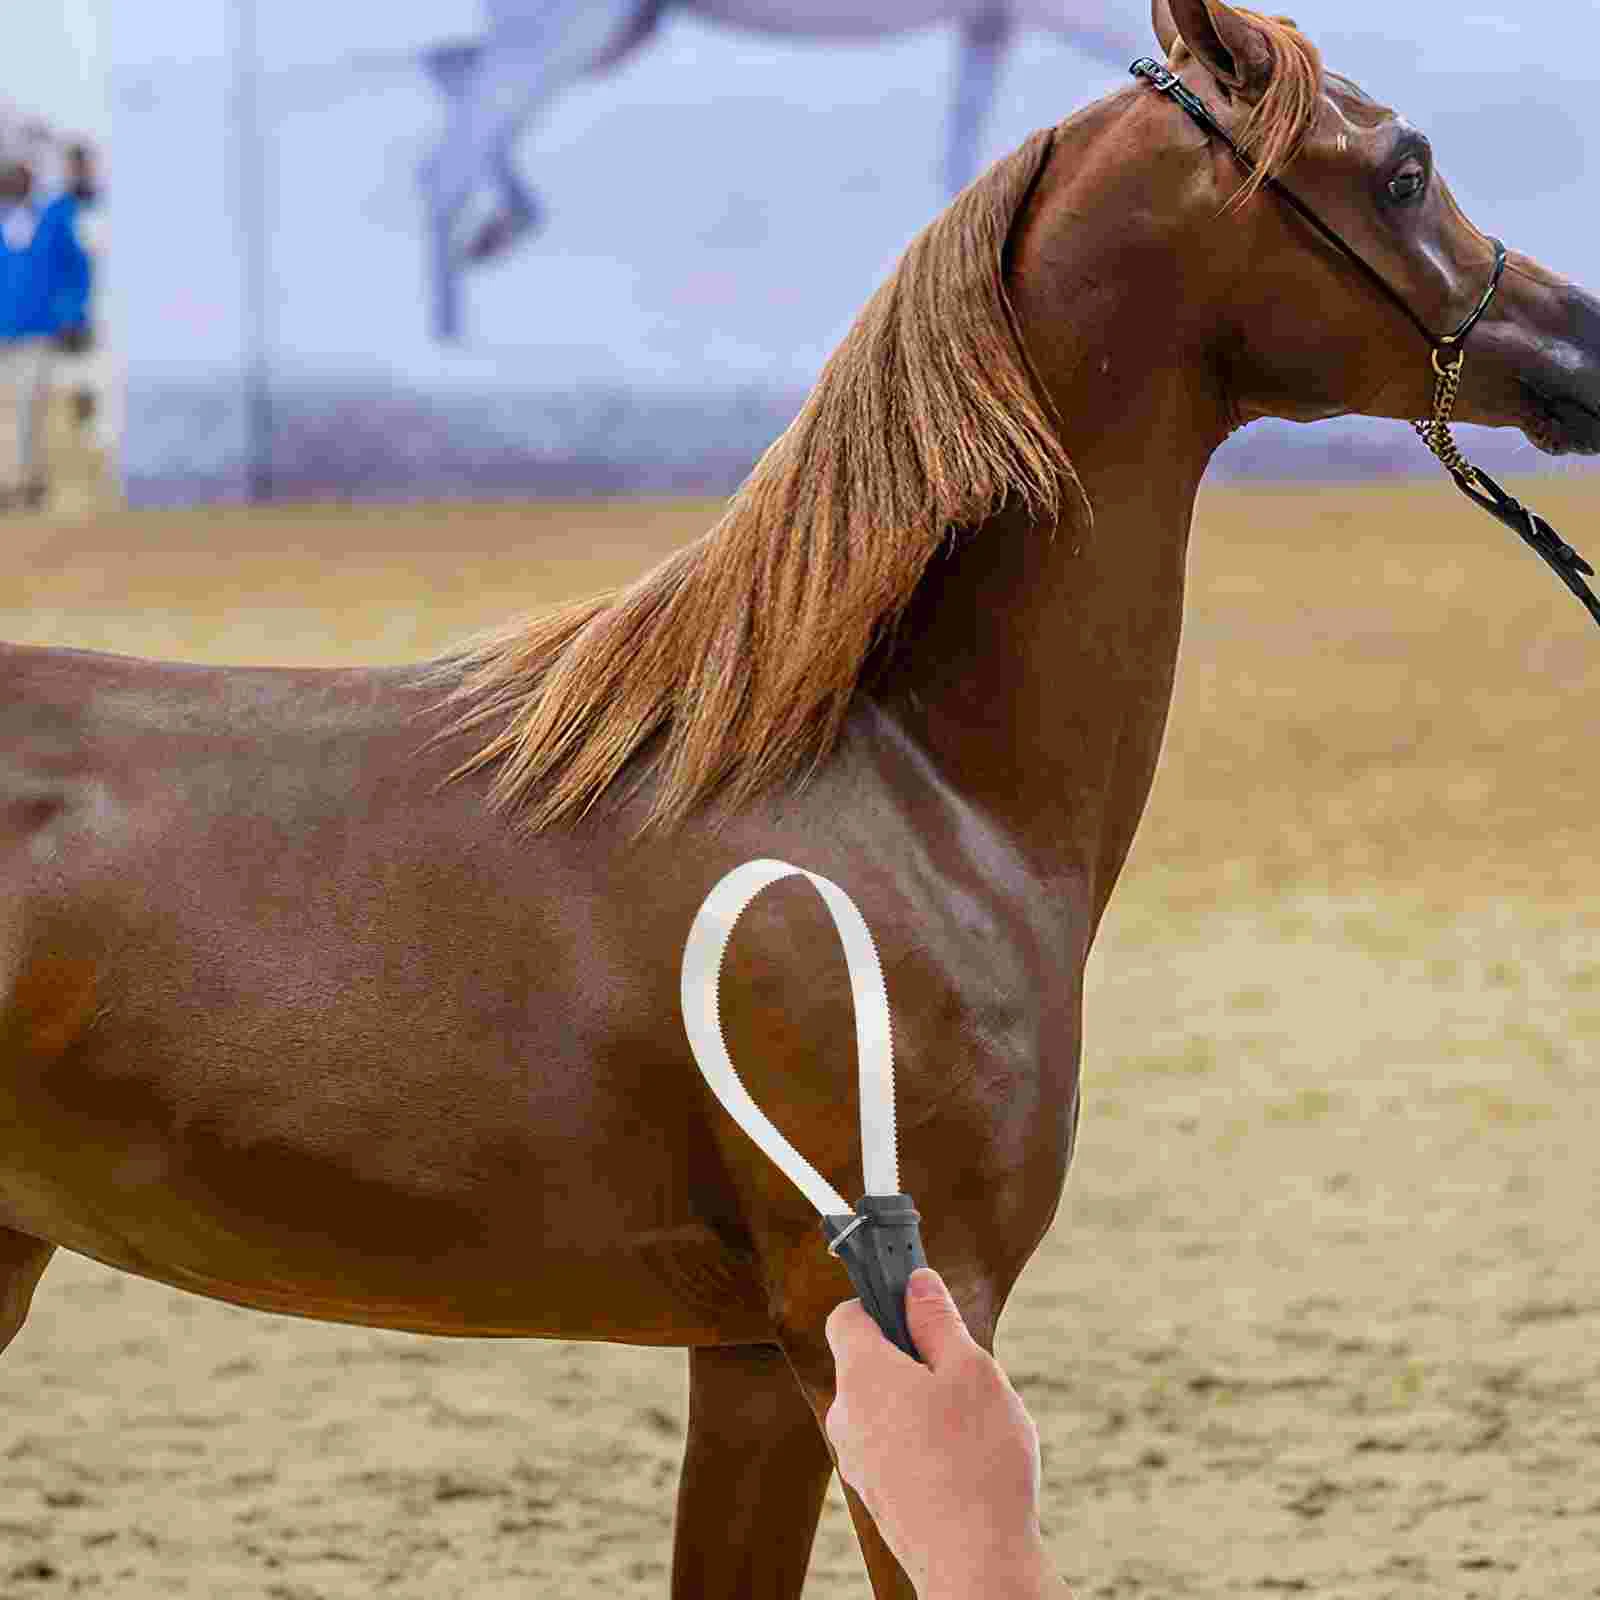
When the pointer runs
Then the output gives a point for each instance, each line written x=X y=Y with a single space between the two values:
x=1011 y=1574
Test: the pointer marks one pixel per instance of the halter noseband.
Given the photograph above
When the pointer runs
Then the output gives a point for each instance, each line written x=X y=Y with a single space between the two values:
x=1472 y=481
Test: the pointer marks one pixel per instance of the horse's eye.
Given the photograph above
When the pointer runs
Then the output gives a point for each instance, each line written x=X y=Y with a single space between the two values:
x=1408 y=182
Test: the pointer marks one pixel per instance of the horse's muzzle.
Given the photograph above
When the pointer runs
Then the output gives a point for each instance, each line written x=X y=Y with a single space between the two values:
x=1560 y=424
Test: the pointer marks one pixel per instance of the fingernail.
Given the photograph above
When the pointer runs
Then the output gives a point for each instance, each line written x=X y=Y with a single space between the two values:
x=925 y=1284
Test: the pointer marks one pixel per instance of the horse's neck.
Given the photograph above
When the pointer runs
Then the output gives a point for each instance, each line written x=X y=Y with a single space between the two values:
x=1039 y=660
x=1036 y=666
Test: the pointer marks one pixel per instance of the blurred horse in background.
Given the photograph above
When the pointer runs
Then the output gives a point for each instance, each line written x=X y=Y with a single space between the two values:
x=536 y=49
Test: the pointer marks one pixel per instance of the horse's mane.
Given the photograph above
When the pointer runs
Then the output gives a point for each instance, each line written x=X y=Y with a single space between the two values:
x=735 y=661
x=741 y=654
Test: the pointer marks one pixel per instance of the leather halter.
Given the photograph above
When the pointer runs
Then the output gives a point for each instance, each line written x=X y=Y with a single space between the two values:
x=1472 y=481
x=1168 y=82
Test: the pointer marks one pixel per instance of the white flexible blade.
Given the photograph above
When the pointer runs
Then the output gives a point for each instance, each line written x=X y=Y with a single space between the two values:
x=702 y=968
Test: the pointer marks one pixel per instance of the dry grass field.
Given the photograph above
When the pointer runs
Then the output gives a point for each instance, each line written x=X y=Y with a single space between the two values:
x=1321 y=1312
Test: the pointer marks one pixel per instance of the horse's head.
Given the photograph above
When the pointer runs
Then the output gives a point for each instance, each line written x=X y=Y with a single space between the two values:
x=1301 y=331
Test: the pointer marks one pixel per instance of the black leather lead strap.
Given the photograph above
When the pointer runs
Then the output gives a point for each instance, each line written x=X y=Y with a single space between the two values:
x=1534 y=532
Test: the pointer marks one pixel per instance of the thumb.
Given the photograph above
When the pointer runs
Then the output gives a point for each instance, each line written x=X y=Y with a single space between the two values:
x=935 y=1320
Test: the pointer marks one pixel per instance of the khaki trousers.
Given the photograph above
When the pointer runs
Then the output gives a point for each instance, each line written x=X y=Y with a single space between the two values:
x=25 y=372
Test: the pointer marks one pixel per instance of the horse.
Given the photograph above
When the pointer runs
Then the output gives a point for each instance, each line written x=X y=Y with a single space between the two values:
x=353 y=994
x=533 y=50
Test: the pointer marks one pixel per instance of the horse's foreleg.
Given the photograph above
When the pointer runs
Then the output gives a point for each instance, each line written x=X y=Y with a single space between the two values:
x=444 y=278
x=806 y=1346
x=983 y=44
x=754 y=1476
x=517 y=216
x=492 y=92
x=530 y=54
x=22 y=1263
x=812 y=1362
x=451 y=66
x=520 y=212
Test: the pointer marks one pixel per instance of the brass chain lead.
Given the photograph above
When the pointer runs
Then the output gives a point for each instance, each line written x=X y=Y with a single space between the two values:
x=1435 y=433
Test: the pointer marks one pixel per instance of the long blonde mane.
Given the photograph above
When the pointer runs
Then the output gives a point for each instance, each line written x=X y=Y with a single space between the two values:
x=730 y=668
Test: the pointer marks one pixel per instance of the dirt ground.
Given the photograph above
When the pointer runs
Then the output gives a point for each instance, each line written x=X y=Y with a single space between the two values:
x=1321 y=1311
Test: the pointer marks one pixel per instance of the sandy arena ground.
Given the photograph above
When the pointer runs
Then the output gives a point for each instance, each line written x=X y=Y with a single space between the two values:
x=1321 y=1312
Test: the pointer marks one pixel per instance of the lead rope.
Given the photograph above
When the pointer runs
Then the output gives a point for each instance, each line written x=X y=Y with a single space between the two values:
x=1484 y=492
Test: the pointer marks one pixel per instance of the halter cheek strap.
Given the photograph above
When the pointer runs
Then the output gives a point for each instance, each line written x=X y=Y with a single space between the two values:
x=1473 y=482
x=1168 y=82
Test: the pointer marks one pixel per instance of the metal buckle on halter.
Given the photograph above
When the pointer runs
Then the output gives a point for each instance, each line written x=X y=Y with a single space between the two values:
x=1163 y=77
x=1165 y=81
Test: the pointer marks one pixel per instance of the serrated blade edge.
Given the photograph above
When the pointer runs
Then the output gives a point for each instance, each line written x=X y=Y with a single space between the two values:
x=698 y=993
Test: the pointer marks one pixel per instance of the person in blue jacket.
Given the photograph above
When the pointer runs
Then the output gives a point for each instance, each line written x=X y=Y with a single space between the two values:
x=44 y=304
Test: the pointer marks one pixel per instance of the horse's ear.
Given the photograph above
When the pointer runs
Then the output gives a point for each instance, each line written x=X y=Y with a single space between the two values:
x=1166 y=29
x=1226 y=42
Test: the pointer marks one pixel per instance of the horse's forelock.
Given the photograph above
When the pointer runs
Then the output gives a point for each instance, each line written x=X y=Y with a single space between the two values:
x=1282 y=119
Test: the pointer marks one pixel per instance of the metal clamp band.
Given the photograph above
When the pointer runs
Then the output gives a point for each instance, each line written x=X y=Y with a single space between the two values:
x=839 y=1238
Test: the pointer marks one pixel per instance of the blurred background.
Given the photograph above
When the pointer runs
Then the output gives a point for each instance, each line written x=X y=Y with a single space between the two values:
x=1319 y=1314
x=489 y=247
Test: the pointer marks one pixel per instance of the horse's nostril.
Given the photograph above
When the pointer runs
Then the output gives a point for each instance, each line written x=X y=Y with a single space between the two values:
x=1572 y=413
x=1583 y=323
x=1561 y=423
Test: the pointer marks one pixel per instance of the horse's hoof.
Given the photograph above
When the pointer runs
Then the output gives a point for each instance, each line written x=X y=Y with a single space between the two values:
x=499 y=235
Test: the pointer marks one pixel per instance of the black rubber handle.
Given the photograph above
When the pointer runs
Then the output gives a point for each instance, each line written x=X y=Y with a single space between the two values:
x=883 y=1249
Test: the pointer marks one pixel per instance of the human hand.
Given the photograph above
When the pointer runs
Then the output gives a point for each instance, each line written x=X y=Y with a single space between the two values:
x=944 y=1456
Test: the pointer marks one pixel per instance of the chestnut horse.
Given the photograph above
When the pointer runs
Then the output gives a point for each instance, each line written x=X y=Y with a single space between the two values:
x=354 y=994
